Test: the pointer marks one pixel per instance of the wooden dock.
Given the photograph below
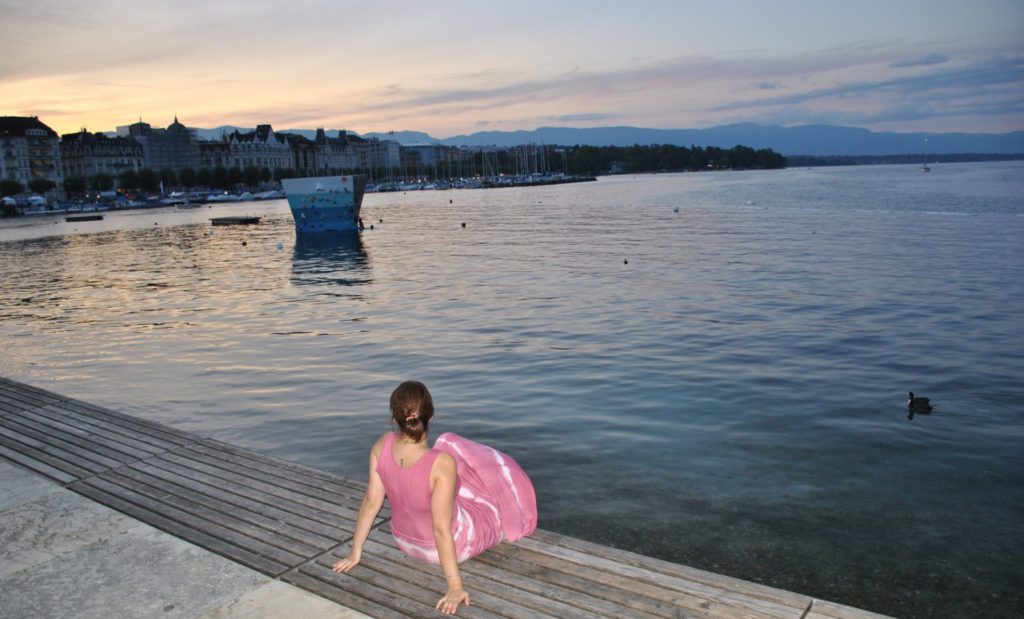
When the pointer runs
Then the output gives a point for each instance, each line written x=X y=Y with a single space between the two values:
x=292 y=523
x=242 y=220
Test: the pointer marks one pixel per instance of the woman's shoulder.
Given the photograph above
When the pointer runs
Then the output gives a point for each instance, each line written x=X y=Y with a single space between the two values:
x=444 y=463
x=380 y=443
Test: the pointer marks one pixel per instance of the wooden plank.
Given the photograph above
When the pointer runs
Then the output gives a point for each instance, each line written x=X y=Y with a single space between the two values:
x=36 y=465
x=830 y=610
x=91 y=447
x=656 y=586
x=26 y=395
x=282 y=494
x=34 y=418
x=576 y=545
x=496 y=593
x=10 y=408
x=22 y=397
x=330 y=530
x=267 y=474
x=634 y=596
x=54 y=443
x=214 y=544
x=311 y=481
x=15 y=405
x=48 y=454
x=8 y=384
x=302 y=472
x=598 y=598
x=252 y=493
x=215 y=530
x=346 y=597
x=412 y=592
x=779 y=596
x=278 y=527
x=228 y=519
x=136 y=424
x=140 y=440
x=70 y=423
x=630 y=597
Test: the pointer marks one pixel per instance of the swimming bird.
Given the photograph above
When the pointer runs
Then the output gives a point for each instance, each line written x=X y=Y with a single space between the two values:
x=918 y=405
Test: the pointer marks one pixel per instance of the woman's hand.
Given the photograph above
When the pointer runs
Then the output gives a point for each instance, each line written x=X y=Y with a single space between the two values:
x=346 y=564
x=451 y=600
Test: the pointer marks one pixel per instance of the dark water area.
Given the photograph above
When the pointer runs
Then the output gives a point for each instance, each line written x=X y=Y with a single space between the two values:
x=706 y=368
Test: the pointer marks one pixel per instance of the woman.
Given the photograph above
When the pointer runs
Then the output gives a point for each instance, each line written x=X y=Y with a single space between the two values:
x=449 y=503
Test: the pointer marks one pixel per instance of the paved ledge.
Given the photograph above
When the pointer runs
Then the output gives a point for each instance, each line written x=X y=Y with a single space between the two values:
x=64 y=555
x=136 y=519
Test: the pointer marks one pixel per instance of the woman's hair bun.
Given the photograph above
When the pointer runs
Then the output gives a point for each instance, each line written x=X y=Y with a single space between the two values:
x=412 y=408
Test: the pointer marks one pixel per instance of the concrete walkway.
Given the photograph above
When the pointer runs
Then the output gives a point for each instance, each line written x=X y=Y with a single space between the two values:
x=63 y=555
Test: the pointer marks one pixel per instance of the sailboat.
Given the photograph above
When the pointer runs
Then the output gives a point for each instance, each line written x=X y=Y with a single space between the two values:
x=924 y=162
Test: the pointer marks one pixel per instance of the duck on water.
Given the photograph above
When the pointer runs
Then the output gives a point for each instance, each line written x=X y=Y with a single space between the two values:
x=917 y=405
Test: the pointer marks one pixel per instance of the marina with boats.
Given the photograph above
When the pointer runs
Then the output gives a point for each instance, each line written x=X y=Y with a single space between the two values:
x=196 y=199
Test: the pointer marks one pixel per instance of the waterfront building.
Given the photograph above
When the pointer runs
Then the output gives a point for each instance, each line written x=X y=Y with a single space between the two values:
x=174 y=148
x=29 y=150
x=261 y=148
x=437 y=159
x=382 y=154
x=334 y=155
x=427 y=154
x=351 y=152
x=214 y=154
x=88 y=154
x=411 y=162
x=304 y=155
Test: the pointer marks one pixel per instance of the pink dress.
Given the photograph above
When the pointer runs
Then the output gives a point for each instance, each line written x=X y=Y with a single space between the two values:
x=494 y=499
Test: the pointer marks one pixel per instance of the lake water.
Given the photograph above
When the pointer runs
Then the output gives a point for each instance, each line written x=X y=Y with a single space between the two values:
x=721 y=385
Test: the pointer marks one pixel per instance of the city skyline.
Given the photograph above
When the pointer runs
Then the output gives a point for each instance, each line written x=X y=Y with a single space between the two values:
x=449 y=68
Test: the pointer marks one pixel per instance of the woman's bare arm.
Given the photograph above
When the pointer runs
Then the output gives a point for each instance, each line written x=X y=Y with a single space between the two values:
x=372 y=502
x=442 y=507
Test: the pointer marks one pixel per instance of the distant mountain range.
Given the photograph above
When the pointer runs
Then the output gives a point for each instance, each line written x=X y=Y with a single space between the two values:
x=814 y=140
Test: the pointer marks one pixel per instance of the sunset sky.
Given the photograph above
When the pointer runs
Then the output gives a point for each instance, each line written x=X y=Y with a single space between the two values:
x=450 y=67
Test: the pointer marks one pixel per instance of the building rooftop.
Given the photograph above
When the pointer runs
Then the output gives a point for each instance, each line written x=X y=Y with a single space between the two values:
x=18 y=126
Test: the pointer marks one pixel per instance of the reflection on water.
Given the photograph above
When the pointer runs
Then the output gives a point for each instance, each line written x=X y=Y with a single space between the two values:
x=330 y=258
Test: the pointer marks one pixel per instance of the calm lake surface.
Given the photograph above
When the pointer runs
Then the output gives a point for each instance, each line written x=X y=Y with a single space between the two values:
x=732 y=398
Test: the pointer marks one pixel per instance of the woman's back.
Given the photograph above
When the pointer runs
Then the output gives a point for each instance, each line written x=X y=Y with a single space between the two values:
x=408 y=491
x=494 y=500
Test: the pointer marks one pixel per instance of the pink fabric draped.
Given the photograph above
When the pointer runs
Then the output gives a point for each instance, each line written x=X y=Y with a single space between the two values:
x=494 y=499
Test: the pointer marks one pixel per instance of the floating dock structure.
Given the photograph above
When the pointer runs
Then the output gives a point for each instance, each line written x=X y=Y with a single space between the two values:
x=326 y=203
x=292 y=523
x=235 y=221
